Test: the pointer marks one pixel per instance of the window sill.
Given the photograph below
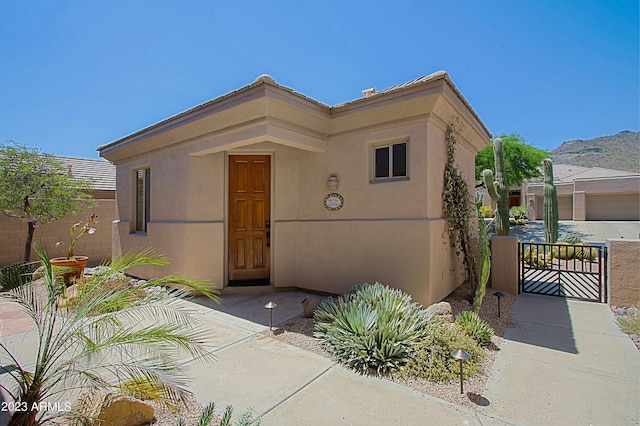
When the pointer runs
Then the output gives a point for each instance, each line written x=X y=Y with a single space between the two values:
x=386 y=180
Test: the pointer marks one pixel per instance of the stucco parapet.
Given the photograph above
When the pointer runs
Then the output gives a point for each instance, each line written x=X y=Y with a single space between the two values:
x=622 y=184
x=409 y=88
x=265 y=98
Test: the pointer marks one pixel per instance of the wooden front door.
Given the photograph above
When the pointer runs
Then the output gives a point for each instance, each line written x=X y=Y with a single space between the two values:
x=249 y=220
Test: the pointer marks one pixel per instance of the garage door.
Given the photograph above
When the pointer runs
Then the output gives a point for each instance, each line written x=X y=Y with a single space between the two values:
x=565 y=207
x=613 y=207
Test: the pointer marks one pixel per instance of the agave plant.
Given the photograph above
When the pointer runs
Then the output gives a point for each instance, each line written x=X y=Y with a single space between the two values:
x=87 y=345
x=373 y=328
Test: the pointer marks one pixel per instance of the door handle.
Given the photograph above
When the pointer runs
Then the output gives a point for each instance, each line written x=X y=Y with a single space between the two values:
x=267 y=225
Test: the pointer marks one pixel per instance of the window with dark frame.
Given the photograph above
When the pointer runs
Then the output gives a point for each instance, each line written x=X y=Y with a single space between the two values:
x=390 y=161
x=142 y=199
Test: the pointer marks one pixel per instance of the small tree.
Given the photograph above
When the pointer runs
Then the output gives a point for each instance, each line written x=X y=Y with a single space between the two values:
x=522 y=160
x=38 y=188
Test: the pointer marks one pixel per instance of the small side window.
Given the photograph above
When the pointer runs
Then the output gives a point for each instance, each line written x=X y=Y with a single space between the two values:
x=143 y=186
x=390 y=161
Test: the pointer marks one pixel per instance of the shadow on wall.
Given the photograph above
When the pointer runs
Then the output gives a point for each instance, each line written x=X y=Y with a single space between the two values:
x=543 y=321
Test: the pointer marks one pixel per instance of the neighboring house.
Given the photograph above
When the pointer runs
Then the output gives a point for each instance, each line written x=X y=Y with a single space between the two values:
x=588 y=193
x=102 y=175
x=267 y=186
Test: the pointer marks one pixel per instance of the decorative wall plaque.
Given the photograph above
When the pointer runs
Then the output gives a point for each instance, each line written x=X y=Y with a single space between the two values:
x=333 y=201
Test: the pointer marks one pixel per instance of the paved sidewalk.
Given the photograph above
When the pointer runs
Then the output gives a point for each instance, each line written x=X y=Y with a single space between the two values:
x=565 y=363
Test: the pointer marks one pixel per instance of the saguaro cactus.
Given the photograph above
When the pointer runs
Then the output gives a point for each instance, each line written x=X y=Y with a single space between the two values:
x=550 y=204
x=499 y=189
x=484 y=261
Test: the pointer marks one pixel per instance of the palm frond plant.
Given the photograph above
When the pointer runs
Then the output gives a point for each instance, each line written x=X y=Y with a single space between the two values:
x=208 y=417
x=104 y=338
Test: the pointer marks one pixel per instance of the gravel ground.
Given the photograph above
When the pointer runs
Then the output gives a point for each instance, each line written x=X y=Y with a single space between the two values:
x=299 y=332
x=190 y=413
x=626 y=312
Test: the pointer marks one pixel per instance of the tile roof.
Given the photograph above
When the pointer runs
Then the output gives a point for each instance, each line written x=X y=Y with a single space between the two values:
x=569 y=173
x=100 y=173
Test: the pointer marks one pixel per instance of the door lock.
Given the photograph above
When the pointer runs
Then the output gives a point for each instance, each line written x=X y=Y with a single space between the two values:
x=267 y=225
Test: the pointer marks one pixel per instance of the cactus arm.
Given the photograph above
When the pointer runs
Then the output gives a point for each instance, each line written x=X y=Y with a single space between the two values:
x=490 y=184
x=498 y=189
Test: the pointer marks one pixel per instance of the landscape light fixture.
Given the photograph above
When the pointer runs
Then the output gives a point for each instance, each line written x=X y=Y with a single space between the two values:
x=270 y=307
x=499 y=295
x=462 y=356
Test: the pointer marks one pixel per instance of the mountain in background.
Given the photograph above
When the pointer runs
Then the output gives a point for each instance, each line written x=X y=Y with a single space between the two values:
x=619 y=152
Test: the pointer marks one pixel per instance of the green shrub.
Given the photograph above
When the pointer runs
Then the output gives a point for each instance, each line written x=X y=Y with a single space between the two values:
x=432 y=359
x=630 y=323
x=518 y=212
x=372 y=328
x=475 y=327
x=486 y=211
x=149 y=388
x=15 y=275
x=569 y=238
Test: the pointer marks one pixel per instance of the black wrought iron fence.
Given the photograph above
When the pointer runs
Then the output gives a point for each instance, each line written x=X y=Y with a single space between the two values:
x=565 y=270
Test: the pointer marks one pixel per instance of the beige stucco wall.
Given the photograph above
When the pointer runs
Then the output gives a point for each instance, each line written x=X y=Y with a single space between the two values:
x=390 y=232
x=504 y=264
x=13 y=233
x=623 y=272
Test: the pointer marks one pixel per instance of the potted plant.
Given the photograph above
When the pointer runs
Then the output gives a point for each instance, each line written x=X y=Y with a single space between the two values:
x=72 y=264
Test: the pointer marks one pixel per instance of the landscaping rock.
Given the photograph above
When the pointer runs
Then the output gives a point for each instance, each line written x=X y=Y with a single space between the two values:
x=115 y=410
x=70 y=293
x=442 y=309
x=309 y=307
x=38 y=273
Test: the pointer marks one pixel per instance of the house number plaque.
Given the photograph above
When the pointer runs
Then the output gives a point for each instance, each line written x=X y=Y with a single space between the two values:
x=333 y=201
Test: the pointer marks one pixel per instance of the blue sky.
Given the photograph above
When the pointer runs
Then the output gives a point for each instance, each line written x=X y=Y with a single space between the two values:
x=75 y=75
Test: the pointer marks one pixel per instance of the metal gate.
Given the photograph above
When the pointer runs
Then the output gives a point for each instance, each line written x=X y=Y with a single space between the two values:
x=564 y=270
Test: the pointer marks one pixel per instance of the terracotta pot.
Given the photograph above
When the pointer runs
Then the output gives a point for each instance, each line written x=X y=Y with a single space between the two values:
x=74 y=267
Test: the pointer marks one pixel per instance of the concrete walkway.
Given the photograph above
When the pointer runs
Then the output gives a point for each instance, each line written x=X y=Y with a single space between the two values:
x=565 y=363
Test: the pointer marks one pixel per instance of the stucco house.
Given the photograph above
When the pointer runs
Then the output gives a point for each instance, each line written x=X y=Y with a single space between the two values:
x=267 y=186
x=587 y=193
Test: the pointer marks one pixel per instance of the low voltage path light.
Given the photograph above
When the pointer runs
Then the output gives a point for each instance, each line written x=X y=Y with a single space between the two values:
x=499 y=295
x=270 y=307
x=462 y=356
